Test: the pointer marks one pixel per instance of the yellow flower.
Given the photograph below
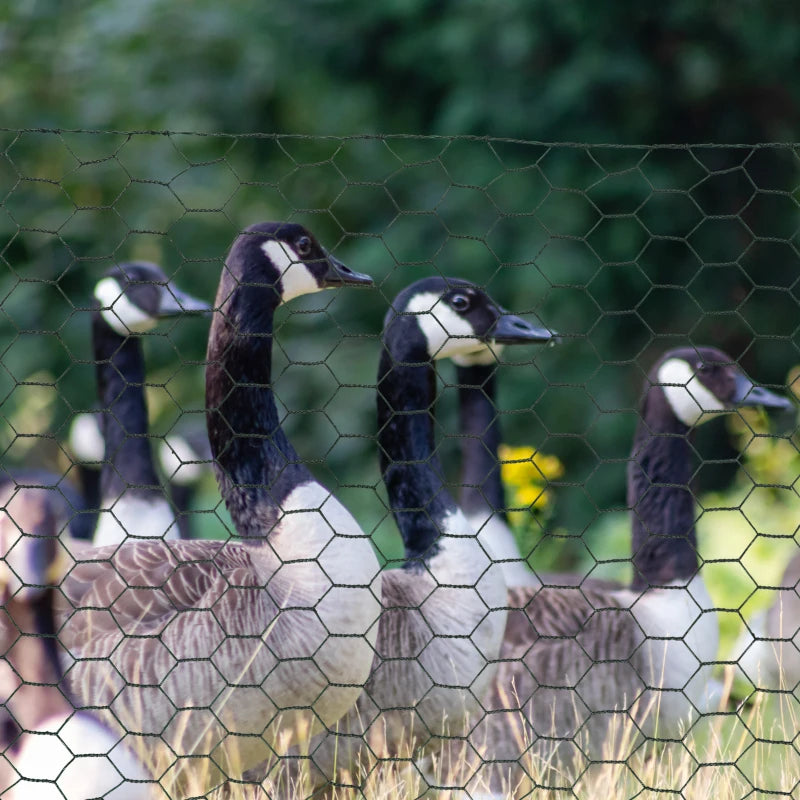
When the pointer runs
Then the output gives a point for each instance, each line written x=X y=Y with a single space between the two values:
x=531 y=497
x=523 y=466
x=550 y=466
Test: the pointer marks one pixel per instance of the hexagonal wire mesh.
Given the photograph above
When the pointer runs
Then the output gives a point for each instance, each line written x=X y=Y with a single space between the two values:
x=588 y=592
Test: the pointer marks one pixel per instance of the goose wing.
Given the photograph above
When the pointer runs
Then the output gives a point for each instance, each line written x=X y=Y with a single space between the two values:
x=566 y=656
x=558 y=640
x=146 y=612
x=138 y=588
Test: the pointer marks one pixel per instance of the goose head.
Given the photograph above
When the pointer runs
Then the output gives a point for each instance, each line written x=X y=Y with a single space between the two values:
x=284 y=260
x=453 y=318
x=701 y=382
x=134 y=296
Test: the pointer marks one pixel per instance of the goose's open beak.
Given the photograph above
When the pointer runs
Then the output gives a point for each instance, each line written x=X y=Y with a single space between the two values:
x=340 y=275
x=748 y=394
x=511 y=329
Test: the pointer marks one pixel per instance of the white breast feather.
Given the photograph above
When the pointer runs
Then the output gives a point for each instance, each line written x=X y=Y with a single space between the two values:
x=496 y=538
x=770 y=663
x=471 y=585
x=86 y=439
x=325 y=550
x=683 y=638
x=132 y=515
x=80 y=758
x=179 y=461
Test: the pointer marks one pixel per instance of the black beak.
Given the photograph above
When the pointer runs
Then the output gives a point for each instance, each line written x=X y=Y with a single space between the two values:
x=340 y=275
x=511 y=329
x=747 y=393
x=174 y=301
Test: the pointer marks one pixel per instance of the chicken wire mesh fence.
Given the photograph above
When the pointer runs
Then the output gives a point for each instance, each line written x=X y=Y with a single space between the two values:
x=593 y=597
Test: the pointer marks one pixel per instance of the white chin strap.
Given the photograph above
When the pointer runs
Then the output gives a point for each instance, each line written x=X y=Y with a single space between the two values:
x=448 y=335
x=689 y=399
x=123 y=316
x=487 y=355
x=296 y=279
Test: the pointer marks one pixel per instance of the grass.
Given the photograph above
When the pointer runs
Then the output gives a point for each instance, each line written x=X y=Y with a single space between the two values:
x=733 y=754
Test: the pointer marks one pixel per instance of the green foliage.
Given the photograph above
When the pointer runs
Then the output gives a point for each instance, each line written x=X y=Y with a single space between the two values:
x=547 y=70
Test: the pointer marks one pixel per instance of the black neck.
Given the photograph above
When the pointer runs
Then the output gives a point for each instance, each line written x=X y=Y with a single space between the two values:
x=128 y=461
x=45 y=628
x=664 y=544
x=83 y=524
x=410 y=468
x=182 y=497
x=481 y=483
x=255 y=463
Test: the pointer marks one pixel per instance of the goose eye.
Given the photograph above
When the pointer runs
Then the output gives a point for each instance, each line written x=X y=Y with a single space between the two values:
x=303 y=246
x=460 y=302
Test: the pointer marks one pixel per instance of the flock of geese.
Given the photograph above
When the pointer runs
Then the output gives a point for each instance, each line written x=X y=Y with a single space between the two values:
x=121 y=635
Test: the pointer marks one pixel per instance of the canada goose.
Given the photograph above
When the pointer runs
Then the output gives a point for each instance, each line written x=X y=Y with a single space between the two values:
x=577 y=662
x=131 y=298
x=444 y=612
x=50 y=751
x=767 y=650
x=229 y=649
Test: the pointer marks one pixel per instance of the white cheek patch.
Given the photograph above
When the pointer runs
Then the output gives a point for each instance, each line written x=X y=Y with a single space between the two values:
x=179 y=461
x=689 y=399
x=86 y=439
x=446 y=333
x=484 y=357
x=123 y=316
x=296 y=279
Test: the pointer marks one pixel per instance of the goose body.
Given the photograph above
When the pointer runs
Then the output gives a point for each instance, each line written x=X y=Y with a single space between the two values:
x=50 y=751
x=231 y=650
x=443 y=613
x=130 y=299
x=580 y=664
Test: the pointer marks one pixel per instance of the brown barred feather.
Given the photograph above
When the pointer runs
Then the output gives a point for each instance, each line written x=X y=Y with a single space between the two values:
x=185 y=641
